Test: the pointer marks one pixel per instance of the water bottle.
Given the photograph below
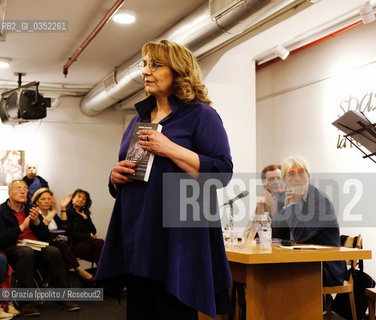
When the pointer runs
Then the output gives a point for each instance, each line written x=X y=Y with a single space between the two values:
x=266 y=232
x=260 y=210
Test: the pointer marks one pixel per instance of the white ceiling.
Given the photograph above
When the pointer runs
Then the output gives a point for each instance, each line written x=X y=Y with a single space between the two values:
x=42 y=55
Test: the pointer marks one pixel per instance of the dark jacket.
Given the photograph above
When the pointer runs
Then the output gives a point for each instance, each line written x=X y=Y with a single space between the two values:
x=190 y=262
x=314 y=221
x=61 y=224
x=44 y=183
x=9 y=228
x=79 y=228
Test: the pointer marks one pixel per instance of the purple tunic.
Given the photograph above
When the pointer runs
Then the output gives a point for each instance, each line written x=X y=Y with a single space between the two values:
x=191 y=262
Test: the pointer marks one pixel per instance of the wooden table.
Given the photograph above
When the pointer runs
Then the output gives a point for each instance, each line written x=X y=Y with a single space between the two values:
x=284 y=283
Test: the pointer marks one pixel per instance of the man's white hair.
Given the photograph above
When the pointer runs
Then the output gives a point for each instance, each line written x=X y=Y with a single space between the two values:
x=299 y=161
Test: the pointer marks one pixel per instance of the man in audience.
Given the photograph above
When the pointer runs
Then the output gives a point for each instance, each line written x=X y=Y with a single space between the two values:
x=273 y=187
x=309 y=215
x=18 y=221
x=33 y=181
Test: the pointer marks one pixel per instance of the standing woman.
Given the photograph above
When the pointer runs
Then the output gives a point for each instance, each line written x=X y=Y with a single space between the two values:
x=81 y=229
x=170 y=273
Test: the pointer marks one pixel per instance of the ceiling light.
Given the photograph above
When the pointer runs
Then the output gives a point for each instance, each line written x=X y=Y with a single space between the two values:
x=281 y=52
x=125 y=16
x=4 y=63
x=367 y=13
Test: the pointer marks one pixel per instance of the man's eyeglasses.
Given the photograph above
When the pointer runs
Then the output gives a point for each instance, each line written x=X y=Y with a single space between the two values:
x=296 y=174
x=153 y=66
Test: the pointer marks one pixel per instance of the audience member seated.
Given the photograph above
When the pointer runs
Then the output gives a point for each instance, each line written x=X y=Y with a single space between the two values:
x=33 y=181
x=273 y=187
x=3 y=268
x=46 y=202
x=309 y=215
x=7 y=310
x=19 y=221
x=81 y=229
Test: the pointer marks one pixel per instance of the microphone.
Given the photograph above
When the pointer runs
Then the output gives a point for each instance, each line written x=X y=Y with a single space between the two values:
x=239 y=196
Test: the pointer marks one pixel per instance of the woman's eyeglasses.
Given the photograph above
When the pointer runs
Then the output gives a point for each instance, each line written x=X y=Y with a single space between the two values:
x=153 y=66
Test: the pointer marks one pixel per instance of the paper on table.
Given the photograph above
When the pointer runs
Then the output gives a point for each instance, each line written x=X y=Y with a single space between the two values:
x=307 y=247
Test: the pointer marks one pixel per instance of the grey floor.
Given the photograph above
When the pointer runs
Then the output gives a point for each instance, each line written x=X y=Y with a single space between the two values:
x=109 y=309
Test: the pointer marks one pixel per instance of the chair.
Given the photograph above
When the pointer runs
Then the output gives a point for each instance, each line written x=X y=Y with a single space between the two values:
x=371 y=297
x=348 y=286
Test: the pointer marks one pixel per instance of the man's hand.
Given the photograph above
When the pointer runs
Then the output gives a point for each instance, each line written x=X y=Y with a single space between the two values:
x=294 y=194
x=34 y=215
x=24 y=225
x=270 y=202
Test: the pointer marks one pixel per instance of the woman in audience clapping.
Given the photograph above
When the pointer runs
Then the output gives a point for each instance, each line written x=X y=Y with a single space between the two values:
x=45 y=200
x=85 y=245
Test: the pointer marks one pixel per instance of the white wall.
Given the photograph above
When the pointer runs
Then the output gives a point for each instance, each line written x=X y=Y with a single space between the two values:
x=299 y=98
x=72 y=151
x=230 y=78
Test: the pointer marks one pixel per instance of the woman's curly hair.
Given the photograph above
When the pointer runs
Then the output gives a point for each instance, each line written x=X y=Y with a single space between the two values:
x=187 y=84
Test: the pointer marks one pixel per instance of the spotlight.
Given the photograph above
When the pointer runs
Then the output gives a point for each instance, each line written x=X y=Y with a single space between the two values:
x=125 y=16
x=23 y=104
x=367 y=13
x=281 y=52
x=4 y=63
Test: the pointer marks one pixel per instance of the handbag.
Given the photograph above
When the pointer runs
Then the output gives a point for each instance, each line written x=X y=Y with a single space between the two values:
x=341 y=303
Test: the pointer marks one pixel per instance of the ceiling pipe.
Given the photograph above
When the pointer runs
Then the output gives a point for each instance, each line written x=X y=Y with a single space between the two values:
x=92 y=35
x=199 y=32
x=309 y=45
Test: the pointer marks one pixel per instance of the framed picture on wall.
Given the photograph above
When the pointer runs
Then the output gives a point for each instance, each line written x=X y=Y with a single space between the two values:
x=12 y=163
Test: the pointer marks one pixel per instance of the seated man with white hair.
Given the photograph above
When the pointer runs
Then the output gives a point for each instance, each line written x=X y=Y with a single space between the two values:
x=19 y=221
x=309 y=215
x=33 y=181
